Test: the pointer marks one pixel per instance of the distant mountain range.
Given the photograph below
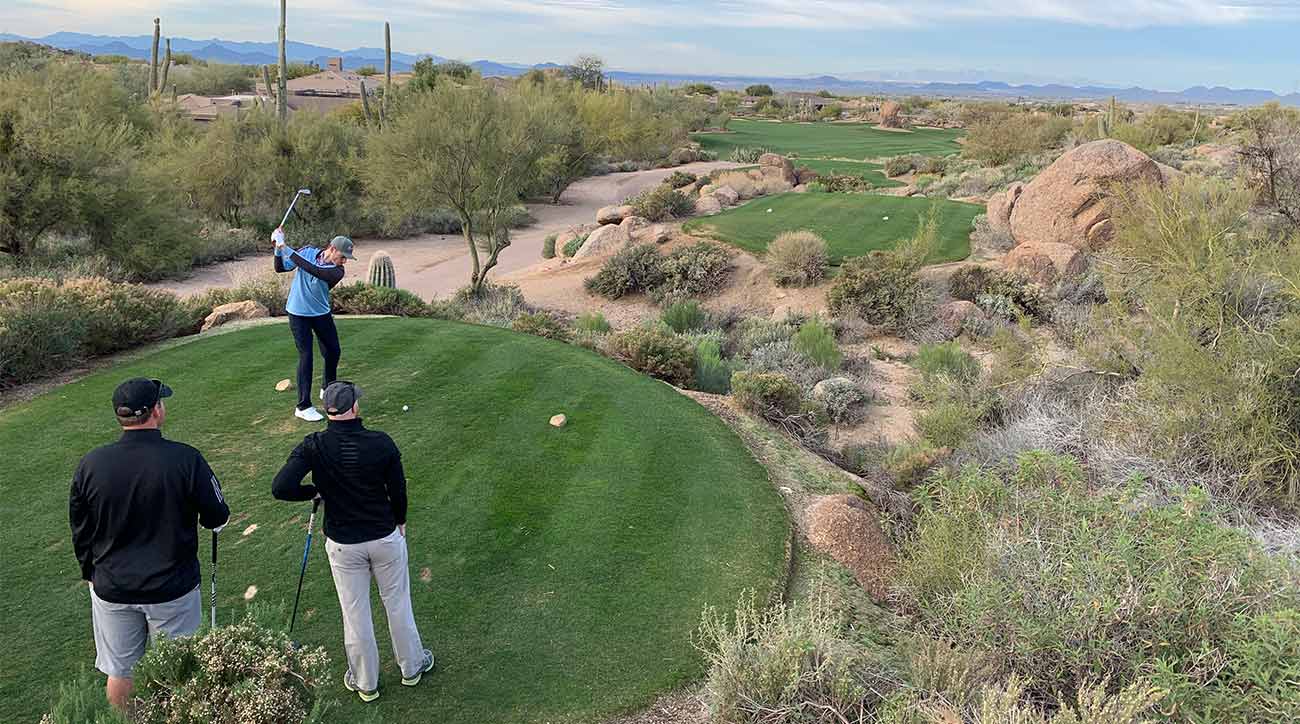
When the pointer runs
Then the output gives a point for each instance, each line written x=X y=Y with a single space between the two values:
x=964 y=84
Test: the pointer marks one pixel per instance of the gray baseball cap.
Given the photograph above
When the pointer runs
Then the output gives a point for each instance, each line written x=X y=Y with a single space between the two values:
x=344 y=246
x=340 y=396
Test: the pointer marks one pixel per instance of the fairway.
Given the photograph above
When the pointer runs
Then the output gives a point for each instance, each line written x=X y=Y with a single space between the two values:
x=851 y=224
x=857 y=141
x=557 y=573
x=872 y=172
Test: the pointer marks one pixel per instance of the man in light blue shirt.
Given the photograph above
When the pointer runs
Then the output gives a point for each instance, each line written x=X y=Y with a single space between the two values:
x=319 y=271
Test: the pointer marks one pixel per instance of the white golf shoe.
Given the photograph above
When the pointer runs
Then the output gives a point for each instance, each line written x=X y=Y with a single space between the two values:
x=310 y=415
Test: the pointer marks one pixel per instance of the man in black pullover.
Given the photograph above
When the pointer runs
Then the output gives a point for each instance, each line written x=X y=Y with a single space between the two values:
x=133 y=507
x=358 y=475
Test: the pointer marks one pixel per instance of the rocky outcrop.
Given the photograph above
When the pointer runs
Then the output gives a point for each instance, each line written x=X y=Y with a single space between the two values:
x=847 y=529
x=614 y=214
x=726 y=196
x=1071 y=201
x=1047 y=264
x=891 y=115
x=233 y=312
x=633 y=224
x=708 y=206
x=999 y=208
x=605 y=240
x=771 y=164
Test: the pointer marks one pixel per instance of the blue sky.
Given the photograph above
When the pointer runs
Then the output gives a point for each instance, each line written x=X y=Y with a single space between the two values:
x=1164 y=44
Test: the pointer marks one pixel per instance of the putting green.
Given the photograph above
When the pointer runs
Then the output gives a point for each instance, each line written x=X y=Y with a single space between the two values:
x=857 y=141
x=557 y=573
x=851 y=224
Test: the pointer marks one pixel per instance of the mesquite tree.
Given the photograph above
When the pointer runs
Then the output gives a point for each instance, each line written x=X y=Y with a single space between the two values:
x=468 y=149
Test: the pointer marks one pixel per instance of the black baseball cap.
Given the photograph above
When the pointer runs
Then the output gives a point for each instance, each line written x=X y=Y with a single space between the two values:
x=340 y=396
x=136 y=395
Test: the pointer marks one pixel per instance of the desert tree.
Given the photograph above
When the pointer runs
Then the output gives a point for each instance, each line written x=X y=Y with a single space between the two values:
x=466 y=148
x=1271 y=152
x=588 y=70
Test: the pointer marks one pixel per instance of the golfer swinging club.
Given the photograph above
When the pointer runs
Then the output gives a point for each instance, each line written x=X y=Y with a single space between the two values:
x=309 y=309
x=133 y=508
x=358 y=474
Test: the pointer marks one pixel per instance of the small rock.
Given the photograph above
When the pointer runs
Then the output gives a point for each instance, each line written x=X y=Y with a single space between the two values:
x=250 y=529
x=283 y=385
x=558 y=421
x=250 y=592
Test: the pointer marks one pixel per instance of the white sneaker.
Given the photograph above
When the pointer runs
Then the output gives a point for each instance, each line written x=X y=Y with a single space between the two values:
x=310 y=415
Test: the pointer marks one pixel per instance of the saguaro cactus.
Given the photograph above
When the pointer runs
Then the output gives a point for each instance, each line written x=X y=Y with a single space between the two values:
x=281 y=92
x=266 y=81
x=365 y=104
x=381 y=270
x=166 y=68
x=388 y=75
x=153 y=58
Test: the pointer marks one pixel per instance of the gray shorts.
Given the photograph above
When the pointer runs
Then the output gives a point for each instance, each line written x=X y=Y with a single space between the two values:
x=122 y=630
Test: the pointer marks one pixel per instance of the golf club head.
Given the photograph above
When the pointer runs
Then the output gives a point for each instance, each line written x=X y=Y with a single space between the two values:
x=305 y=192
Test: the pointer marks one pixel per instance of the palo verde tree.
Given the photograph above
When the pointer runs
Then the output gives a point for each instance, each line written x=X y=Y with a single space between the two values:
x=466 y=148
x=589 y=70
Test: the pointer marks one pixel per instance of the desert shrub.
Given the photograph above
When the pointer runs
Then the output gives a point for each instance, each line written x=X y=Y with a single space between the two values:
x=548 y=246
x=935 y=165
x=1003 y=137
x=712 y=372
x=797 y=259
x=121 y=316
x=782 y=357
x=789 y=664
x=766 y=393
x=361 y=298
x=248 y=672
x=268 y=289
x=754 y=332
x=899 y=165
x=842 y=399
x=572 y=246
x=946 y=359
x=592 y=323
x=968 y=282
x=541 y=324
x=678 y=179
x=883 y=287
x=656 y=351
x=747 y=154
x=41 y=331
x=684 y=316
x=910 y=462
x=82 y=701
x=1004 y=294
x=661 y=203
x=843 y=183
x=494 y=305
x=948 y=423
x=696 y=270
x=634 y=269
x=816 y=341
x=1069 y=586
x=817 y=187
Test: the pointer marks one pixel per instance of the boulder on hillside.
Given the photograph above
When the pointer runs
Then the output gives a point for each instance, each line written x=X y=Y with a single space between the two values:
x=845 y=528
x=956 y=314
x=707 y=190
x=234 y=311
x=686 y=154
x=1168 y=174
x=1047 y=264
x=891 y=115
x=726 y=196
x=605 y=240
x=707 y=206
x=613 y=214
x=657 y=234
x=1070 y=202
x=633 y=224
x=999 y=208
x=771 y=164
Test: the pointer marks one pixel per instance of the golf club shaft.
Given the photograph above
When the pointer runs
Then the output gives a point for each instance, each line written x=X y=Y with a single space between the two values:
x=302 y=573
x=212 y=599
x=290 y=209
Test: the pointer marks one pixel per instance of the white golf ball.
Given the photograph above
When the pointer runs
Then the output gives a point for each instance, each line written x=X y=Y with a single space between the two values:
x=884 y=218
x=406 y=408
x=769 y=211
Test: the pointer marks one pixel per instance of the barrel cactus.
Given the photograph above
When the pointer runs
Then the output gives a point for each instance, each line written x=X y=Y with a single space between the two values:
x=381 y=270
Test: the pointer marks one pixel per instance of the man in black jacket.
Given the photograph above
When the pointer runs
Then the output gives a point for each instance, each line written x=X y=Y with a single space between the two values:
x=133 y=508
x=309 y=309
x=358 y=474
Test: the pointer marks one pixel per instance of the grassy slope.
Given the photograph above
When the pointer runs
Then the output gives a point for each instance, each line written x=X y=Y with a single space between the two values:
x=869 y=171
x=567 y=567
x=829 y=140
x=852 y=224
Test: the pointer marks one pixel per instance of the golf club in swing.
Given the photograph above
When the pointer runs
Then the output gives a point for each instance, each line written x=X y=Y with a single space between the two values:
x=301 y=192
x=212 y=598
x=311 y=523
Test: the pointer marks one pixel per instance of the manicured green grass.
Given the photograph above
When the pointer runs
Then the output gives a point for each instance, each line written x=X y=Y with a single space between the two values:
x=557 y=573
x=870 y=171
x=829 y=140
x=851 y=224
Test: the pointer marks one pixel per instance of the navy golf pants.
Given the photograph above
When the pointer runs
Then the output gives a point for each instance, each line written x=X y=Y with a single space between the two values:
x=327 y=336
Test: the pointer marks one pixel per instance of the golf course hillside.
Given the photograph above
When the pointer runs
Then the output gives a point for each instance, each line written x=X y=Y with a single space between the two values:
x=556 y=572
x=851 y=224
x=857 y=141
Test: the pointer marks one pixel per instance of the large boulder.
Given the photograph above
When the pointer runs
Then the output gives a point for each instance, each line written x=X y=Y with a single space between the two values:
x=633 y=224
x=726 y=196
x=1000 y=206
x=233 y=312
x=708 y=206
x=1047 y=264
x=891 y=115
x=771 y=164
x=1168 y=174
x=1070 y=202
x=613 y=214
x=605 y=240
x=845 y=528
x=657 y=234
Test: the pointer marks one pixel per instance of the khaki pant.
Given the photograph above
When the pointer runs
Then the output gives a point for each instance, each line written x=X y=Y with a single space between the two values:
x=352 y=566
x=122 y=630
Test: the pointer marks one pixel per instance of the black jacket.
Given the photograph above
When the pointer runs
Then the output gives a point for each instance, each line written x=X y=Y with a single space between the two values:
x=357 y=473
x=134 y=506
